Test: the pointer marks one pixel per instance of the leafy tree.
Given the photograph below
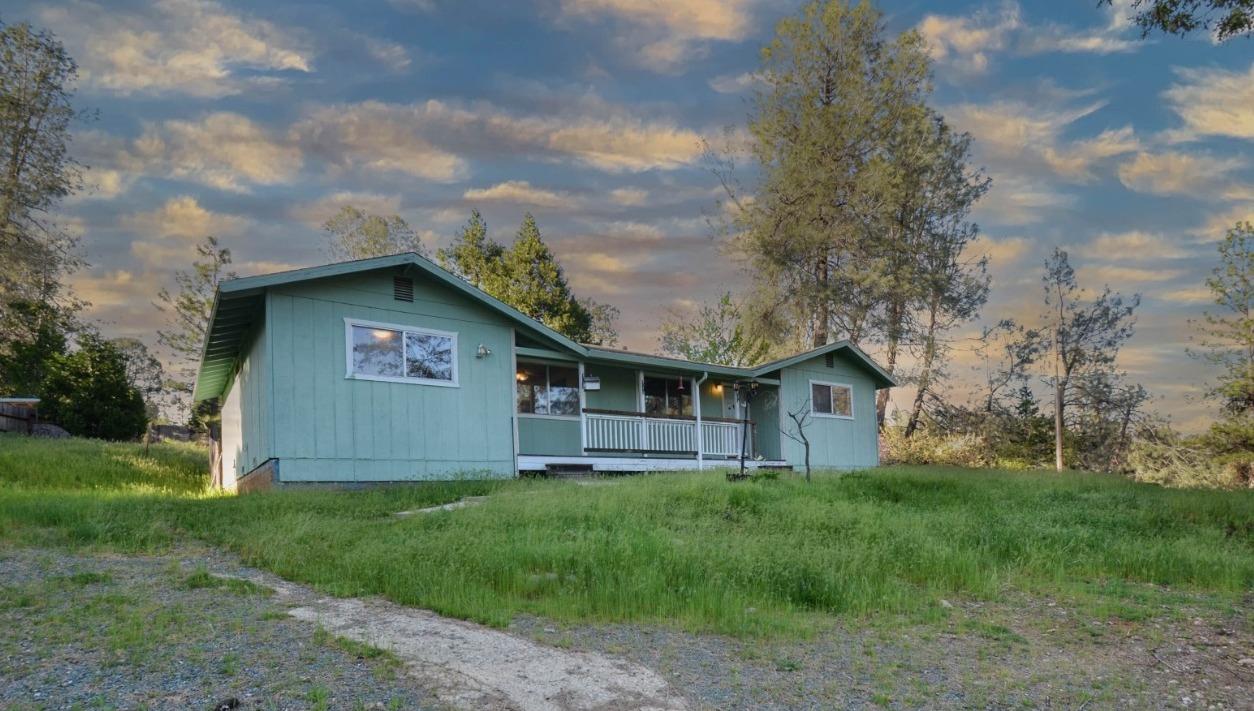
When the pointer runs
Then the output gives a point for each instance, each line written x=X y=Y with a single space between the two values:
x=1225 y=18
x=1228 y=337
x=144 y=372
x=601 y=331
x=32 y=335
x=1086 y=335
x=528 y=277
x=951 y=286
x=36 y=171
x=355 y=234
x=836 y=97
x=188 y=311
x=714 y=334
x=88 y=393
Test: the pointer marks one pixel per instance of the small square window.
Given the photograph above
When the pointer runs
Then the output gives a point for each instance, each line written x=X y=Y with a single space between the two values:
x=831 y=399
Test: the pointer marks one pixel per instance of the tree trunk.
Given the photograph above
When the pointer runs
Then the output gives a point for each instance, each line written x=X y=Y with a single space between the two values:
x=1059 y=399
x=896 y=315
x=925 y=373
x=822 y=311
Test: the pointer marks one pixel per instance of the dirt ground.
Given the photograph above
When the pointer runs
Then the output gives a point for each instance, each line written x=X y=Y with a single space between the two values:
x=196 y=630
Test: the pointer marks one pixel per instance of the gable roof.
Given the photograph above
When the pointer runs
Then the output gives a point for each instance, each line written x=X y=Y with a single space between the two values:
x=238 y=304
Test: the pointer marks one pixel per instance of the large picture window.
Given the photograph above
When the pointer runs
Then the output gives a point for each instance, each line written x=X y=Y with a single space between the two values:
x=547 y=389
x=667 y=396
x=403 y=354
x=831 y=399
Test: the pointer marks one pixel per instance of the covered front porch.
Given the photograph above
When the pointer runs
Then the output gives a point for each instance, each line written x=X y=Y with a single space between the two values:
x=609 y=417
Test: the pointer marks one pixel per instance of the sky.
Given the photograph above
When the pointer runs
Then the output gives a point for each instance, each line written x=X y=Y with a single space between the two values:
x=256 y=122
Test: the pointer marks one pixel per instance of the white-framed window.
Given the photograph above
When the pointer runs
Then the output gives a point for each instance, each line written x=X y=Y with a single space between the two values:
x=547 y=390
x=831 y=399
x=400 y=354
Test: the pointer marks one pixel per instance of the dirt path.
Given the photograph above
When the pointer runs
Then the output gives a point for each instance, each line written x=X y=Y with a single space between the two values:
x=474 y=667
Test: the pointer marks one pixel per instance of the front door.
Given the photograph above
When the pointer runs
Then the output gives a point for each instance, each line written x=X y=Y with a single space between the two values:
x=730 y=408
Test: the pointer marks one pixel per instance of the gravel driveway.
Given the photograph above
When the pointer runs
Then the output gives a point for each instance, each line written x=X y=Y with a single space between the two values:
x=82 y=631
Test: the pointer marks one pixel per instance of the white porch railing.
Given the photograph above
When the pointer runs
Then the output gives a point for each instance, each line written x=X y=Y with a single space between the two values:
x=613 y=431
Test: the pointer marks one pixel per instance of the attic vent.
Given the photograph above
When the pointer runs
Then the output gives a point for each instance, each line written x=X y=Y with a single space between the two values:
x=830 y=360
x=402 y=288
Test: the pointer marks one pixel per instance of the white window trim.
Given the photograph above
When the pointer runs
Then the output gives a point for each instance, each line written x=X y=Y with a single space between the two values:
x=831 y=415
x=548 y=364
x=348 y=353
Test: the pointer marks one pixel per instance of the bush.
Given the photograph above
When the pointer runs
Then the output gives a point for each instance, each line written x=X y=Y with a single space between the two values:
x=1222 y=458
x=89 y=393
x=927 y=447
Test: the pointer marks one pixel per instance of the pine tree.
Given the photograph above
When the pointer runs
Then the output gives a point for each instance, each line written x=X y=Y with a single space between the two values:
x=536 y=285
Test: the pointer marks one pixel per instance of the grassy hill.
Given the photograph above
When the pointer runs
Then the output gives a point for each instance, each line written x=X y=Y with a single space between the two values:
x=774 y=557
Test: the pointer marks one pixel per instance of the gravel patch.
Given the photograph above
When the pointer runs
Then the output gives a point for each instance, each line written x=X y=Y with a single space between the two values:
x=82 y=631
x=1029 y=653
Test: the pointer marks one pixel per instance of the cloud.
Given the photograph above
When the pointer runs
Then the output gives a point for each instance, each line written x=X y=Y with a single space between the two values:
x=1187 y=295
x=629 y=197
x=1031 y=136
x=431 y=139
x=1176 y=173
x=317 y=212
x=378 y=136
x=1116 y=275
x=1019 y=200
x=194 y=47
x=664 y=33
x=223 y=150
x=735 y=83
x=1217 y=225
x=1001 y=253
x=1214 y=102
x=966 y=43
x=182 y=218
x=520 y=192
x=1134 y=246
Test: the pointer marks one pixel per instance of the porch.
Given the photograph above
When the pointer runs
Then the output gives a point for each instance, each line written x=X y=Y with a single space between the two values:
x=606 y=417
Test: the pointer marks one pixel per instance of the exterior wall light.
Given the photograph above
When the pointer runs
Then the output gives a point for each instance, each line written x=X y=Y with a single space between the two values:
x=483 y=351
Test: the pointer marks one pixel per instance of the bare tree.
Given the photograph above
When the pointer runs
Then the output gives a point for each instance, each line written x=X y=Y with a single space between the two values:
x=800 y=418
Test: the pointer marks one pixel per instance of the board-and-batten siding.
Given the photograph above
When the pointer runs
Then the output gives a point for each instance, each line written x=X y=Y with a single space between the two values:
x=835 y=443
x=331 y=428
x=246 y=420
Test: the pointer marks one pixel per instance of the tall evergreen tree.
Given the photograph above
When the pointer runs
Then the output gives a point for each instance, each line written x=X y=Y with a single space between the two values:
x=527 y=276
x=837 y=95
x=537 y=286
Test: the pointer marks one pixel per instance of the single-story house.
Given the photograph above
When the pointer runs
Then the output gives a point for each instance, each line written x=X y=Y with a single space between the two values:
x=393 y=369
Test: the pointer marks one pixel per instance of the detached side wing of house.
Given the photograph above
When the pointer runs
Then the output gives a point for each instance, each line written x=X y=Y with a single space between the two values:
x=392 y=369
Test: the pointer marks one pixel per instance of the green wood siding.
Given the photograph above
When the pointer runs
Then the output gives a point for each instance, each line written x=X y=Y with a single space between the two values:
x=766 y=416
x=328 y=427
x=549 y=436
x=246 y=421
x=836 y=443
x=618 y=388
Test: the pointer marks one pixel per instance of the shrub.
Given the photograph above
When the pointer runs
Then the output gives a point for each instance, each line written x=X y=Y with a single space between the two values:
x=1170 y=459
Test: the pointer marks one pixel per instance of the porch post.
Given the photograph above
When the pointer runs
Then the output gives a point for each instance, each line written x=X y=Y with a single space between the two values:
x=583 y=416
x=644 y=426
x=696 y=410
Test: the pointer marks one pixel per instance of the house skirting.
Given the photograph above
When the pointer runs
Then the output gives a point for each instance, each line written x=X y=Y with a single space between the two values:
x=539 y=463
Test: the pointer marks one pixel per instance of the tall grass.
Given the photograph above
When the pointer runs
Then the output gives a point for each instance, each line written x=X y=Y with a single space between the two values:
x=688 y=549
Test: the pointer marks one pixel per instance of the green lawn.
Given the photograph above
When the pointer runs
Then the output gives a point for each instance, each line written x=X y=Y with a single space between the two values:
x=760 y=557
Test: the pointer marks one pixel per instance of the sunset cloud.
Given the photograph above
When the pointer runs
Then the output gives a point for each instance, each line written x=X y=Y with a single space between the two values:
x=663 y=33
x=194 y=47
x=1214 y=102
x=519 y=192
x=1177 y=173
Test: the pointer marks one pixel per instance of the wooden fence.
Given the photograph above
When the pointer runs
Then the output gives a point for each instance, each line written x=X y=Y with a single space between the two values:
x=17 y=418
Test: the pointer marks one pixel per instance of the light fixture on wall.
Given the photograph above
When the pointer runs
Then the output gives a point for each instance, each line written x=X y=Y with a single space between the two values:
x=483 y=351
